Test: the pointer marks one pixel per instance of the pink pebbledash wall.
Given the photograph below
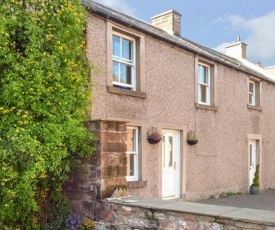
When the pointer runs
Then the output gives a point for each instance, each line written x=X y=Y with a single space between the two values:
x=219 y=162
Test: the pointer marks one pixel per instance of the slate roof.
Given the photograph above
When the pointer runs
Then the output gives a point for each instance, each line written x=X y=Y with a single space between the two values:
x=181 y=42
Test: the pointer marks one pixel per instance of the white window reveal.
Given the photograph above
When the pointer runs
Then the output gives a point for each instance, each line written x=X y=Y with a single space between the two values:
x=203 y=84
x=252 y=90
x=132 y=154
x=124 y=62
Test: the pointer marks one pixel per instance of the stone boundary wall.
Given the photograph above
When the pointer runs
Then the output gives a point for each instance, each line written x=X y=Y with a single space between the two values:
x=96 y=178
x=124 y=216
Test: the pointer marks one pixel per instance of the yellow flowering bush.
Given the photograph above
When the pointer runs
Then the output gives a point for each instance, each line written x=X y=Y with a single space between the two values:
x=88 y=224
x=44 y=96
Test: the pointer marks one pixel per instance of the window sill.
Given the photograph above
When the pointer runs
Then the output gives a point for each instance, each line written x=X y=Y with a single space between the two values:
x=206 y=107
x=126 y=92
x=254 y=107
x=136 y=184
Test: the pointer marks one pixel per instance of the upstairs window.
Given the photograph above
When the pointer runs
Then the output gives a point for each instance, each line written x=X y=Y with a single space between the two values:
x=204 y=80
x=252 y=92
x=125 y=61
x=205 y=84
x=124 y=75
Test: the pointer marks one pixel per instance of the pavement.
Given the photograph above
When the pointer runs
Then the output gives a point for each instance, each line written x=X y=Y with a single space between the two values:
x=264 y=201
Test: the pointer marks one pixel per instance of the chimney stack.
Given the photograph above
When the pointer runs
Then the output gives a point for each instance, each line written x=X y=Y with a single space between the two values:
x=237 y=50
x=169 y=21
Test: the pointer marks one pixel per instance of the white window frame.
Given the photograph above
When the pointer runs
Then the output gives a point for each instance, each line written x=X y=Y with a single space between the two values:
x=208 y=85
x=120 y=60
x=253 y=102
x=135 y=177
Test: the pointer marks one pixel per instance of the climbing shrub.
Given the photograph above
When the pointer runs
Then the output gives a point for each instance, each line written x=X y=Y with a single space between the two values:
x=44 y=96
x=256 y=182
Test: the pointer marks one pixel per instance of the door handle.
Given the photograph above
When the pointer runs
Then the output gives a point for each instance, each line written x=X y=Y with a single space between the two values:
x=174 y=165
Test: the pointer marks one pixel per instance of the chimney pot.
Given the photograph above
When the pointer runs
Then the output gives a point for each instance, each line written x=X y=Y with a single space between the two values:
x=259 y=64
x=239 y=38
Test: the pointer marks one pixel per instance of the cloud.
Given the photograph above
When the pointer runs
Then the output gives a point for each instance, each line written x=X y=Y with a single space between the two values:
x=261 y=40
x=259 y=35
x=119 y=5
x=215 y=22
x=237 y=22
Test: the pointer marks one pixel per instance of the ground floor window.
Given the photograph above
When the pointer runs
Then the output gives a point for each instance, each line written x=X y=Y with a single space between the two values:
x=132 y=153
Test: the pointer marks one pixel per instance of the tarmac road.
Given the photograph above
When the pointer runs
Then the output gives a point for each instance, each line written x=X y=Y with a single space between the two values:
x=264 y=201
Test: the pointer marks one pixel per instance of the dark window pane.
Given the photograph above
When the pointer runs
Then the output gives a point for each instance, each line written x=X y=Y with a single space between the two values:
x=130 y=164
x=203 y=90
x=170 y=151
x=205 y=75
x=125 y=74
x=129 y=75
x=126 y=49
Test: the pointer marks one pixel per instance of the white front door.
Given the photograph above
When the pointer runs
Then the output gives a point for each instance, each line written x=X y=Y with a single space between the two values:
x=171 y=164
x=252 y=159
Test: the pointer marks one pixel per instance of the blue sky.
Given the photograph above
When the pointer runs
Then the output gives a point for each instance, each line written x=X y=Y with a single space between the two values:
x=215 y=23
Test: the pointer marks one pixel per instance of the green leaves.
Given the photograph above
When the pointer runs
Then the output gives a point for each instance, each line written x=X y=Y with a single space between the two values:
x=44 y=82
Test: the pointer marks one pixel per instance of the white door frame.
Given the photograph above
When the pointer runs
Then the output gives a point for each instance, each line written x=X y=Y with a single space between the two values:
x=170 y=171
x=257 y=140
x=252 y=159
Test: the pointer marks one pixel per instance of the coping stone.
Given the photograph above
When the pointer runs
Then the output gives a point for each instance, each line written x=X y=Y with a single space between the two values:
x=254 y=215
x=195 y=208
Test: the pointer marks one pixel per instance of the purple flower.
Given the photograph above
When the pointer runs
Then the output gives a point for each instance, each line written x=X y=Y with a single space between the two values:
x=155 y=136
x=73 y=222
